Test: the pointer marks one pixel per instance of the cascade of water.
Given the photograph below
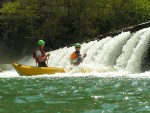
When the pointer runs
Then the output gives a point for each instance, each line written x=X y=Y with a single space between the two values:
x=94 y=51
x=124 y=51
x=85 y=47
x=134 y=63
x=112 y=49
x=56 y=56
x=65 y=58
x=128 y=49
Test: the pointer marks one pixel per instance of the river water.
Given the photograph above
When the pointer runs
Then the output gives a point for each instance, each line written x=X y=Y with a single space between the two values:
x=116 y=92
x=124 y=91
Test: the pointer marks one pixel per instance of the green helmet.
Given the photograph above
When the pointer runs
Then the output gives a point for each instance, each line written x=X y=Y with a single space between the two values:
x=41 y=43
x=77 y=45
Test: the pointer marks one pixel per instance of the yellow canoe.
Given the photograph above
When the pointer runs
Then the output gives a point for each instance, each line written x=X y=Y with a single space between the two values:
x=25 y=70
x=34 y=70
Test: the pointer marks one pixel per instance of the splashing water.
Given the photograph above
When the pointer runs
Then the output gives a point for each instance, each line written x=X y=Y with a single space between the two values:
x=123 y=52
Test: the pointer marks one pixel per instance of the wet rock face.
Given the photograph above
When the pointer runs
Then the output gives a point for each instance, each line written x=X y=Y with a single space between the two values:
x=145 y=66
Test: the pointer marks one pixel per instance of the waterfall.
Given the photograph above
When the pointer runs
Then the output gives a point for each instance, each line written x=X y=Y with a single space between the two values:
x=112 y=49
x=134 y=63
x=124 y=52
x=128 y=49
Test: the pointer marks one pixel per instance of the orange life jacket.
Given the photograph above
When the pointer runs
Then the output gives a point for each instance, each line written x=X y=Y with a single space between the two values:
x=76 y=55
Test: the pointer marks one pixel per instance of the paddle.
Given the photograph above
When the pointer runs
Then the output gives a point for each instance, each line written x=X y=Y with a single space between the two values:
x=47 y=58
x=84 y=55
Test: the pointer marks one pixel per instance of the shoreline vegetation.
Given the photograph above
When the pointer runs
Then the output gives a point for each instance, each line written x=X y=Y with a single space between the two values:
x=61 y=23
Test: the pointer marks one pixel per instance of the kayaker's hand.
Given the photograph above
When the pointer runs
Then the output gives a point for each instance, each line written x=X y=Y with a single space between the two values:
x=48 y=55
x=84 y=55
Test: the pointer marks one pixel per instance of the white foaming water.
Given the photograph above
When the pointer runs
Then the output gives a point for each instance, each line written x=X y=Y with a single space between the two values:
x=9 y=74
x=14 y=74
x=134 y=64
x=128 y=49
x=123 y=52
x=112 y=49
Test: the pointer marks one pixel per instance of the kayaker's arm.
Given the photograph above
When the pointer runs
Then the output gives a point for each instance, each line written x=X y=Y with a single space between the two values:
x=47 y=55
x=84 y=55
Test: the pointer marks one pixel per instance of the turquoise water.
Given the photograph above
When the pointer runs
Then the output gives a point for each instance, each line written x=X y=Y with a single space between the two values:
x=82 y=94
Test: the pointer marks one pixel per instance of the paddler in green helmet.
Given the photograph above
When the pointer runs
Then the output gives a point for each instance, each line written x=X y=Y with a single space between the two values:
x=39 y=54
x=76 y=58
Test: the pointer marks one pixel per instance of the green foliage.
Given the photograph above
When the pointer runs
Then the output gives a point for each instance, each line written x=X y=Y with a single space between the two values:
x=10 y=8
x=61 y=22
x=142 y=8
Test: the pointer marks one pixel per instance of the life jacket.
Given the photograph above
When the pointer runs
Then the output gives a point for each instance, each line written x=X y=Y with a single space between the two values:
x=34 y=55
x=76 y=57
